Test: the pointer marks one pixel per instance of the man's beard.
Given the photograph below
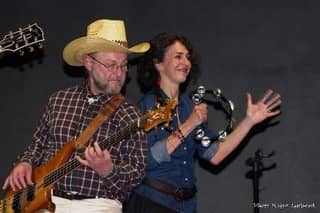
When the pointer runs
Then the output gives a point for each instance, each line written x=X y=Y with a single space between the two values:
x=106 y=87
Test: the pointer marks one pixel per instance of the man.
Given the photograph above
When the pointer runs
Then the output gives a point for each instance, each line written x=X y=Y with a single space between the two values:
x=106 y=176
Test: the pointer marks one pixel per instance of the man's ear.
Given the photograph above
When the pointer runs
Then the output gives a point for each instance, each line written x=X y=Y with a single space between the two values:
x=87 y=62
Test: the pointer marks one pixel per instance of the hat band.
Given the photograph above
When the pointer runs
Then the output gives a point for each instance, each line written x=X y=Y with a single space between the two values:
x=122 y=43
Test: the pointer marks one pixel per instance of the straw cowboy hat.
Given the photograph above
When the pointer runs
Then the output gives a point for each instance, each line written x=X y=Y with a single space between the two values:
x=102 y=35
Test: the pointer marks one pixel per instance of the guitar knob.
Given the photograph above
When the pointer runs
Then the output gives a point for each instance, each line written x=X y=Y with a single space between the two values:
x=40 y=45
x=21 y=52
x=31 y=49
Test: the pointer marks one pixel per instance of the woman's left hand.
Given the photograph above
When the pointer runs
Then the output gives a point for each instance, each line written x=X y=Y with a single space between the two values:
x=266 y=107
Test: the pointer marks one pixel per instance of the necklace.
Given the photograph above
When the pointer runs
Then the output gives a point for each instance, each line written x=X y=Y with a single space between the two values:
x=177 y=113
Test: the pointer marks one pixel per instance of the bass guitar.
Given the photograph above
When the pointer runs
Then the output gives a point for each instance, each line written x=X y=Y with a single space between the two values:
x=37 y=197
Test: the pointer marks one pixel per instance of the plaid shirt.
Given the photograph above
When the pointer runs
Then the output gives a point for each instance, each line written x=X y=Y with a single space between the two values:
x=66 y=115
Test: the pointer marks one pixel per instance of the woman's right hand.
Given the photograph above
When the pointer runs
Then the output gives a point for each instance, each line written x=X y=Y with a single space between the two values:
x=199 y=114
x=19 y=177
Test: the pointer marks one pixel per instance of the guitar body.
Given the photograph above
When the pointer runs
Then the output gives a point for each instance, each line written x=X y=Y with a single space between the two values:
x=33 y=199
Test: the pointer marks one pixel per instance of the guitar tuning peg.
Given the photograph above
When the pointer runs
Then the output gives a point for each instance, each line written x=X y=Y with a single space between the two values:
x=31 y=49
x=21 y=52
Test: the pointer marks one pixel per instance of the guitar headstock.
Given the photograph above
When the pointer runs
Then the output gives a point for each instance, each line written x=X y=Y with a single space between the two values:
x=161 y=114
x=23 y=38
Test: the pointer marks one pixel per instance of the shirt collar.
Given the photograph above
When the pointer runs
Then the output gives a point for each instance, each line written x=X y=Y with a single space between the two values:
x=90 y=97
x=163 y=96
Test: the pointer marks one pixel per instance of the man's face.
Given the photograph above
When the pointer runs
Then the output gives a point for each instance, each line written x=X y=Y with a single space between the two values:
x=107 y=71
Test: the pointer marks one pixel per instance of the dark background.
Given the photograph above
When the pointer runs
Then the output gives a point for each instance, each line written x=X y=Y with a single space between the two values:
x=244 y=46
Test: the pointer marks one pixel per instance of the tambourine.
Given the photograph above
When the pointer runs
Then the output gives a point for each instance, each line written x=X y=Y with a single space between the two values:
x=197 y=98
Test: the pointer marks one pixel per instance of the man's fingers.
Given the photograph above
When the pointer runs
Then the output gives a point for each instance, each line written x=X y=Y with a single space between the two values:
x=98 y=149
x=5 y=185
x=29 y=179
x=13 y=187
x=89 y=153
x=19 y=182
x=82 y=161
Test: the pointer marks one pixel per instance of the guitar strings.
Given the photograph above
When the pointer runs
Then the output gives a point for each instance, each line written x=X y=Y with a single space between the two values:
x=74 y=163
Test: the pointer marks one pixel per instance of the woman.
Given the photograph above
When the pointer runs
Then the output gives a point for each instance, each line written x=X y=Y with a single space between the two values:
x=169 y=185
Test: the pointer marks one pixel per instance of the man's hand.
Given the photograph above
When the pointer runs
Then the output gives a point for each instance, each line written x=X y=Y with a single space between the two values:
x=98 y=160
x=19 y=177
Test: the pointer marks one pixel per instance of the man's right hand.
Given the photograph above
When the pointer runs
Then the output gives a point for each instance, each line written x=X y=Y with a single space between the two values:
x=19 y=177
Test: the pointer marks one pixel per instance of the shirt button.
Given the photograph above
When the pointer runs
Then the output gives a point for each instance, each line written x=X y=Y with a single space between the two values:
x=184 y=148
x=162 y=128
x=184 y=162
x=186 y=179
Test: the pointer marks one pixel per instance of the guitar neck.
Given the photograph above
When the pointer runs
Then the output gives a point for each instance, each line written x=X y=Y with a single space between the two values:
x=110 y=141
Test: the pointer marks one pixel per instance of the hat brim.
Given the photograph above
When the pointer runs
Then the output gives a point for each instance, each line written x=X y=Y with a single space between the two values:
x=76 y=49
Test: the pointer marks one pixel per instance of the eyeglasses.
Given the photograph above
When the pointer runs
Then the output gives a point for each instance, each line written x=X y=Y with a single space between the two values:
x=112 y=67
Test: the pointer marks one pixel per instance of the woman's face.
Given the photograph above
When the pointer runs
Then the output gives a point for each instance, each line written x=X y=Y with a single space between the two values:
x=176 y=64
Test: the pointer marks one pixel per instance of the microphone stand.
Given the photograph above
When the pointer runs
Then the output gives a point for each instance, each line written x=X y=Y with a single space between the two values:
x=256 y=172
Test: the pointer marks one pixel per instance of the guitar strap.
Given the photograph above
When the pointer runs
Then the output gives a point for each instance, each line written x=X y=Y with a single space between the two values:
x=104 y=113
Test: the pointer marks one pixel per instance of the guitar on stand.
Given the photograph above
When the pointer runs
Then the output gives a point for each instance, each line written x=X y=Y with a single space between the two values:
x=26 y=38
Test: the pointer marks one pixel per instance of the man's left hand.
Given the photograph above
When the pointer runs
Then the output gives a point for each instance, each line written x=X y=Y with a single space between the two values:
x=97 y=159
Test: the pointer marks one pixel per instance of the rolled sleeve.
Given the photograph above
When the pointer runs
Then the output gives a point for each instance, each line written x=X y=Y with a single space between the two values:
x=159 y=151
x=210 y=152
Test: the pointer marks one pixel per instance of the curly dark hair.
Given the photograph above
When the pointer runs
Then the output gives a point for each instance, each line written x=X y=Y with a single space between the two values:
x=147 y=73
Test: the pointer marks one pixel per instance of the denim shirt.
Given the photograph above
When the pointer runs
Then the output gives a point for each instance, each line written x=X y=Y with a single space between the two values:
x=176 y=168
